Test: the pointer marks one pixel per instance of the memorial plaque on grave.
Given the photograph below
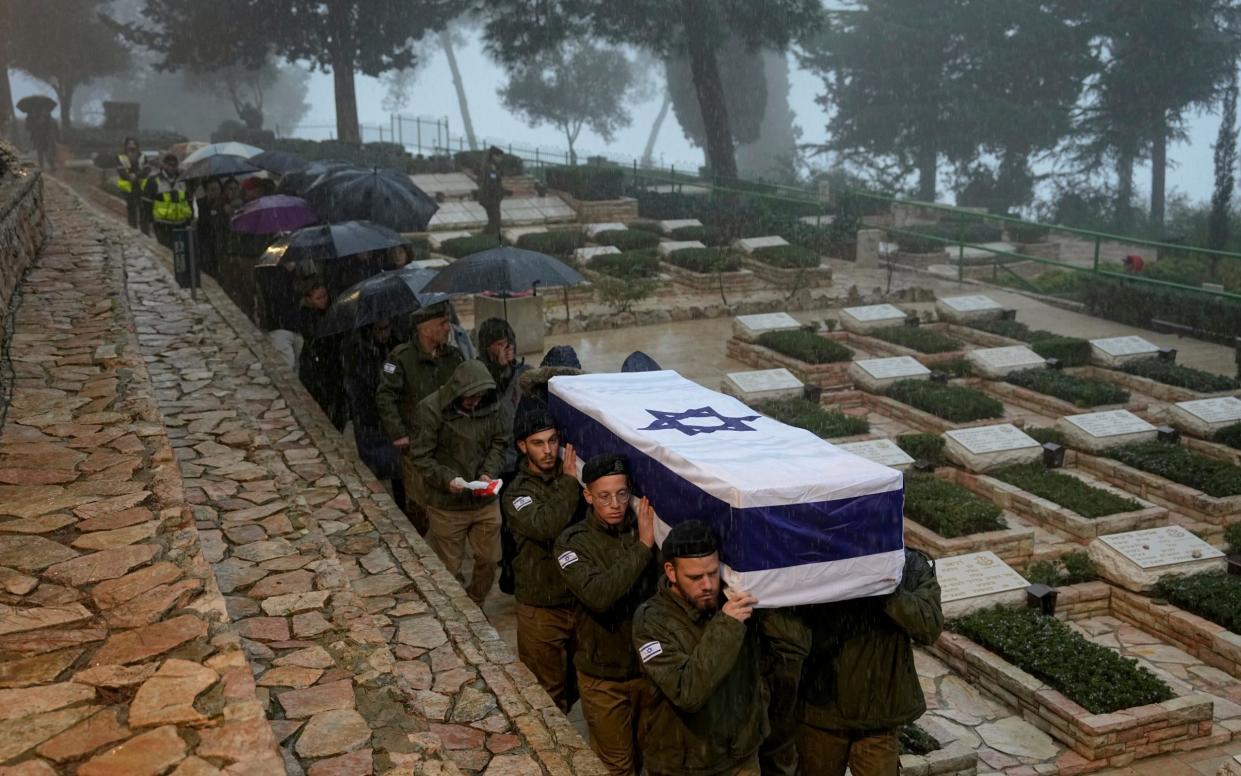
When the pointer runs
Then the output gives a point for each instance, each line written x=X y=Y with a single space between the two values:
x=1204 y=417
x=1112 y=351
x=996 y=363
x=985 y=448
x=672 y=246
x=762 y=384
x=749 y=327
x=881 y=451
x=1095 y=431
x=876 y=374
x=672 y=225
x=751 y=244
x=966 y=308
x=977 y=581
x=594 y=230
x=1136 y=560
x=875 y=316
x=588 y=253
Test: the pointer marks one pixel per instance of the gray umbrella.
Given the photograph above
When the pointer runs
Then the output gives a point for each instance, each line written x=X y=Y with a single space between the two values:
x=504 y=270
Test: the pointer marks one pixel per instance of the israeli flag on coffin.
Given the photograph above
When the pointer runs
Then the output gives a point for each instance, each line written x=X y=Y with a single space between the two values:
x=799 y=521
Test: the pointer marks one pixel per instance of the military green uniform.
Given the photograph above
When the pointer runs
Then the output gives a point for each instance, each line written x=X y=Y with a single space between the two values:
x=710 y=712
x=610 y=573
x=785 y=642
x=537 y=508
x=860 y=683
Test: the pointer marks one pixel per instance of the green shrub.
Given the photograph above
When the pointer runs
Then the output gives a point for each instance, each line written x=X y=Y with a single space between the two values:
x=458 y=247
x=627 y=239
x=1215 y=595
x=805 y=346
x=646 y=225
x=1169 y=373
x=1232 y=537
x=705 y=261
x=916 y=338
x=1003 y=327
x=1027 y=233
x=948 y=509
x=642 y=264
x=923 y=447
x=1045 y=434
x=1172 y=462
x=954 y=403
x=813 y=417
x=621 y=293
x=1080 y=391
x=1070 y=351
x=1071 y=569
x=957 y=367
x=668 y=206
x=1131 y=302
x=1095 y=677
x=562 y=242
x=419 y=248
x=473 y=161
x=1230 y=435
x=914 y=740
x=788 y=257
x=710 y=236
x=1067 y=491
x=588 y=182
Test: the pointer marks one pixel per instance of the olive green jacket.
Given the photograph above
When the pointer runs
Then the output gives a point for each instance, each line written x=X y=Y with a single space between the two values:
x=410 y=375
x=450 y=442
x=610 y=572
x=860 y=674
x=537 y=508
x=710 y=712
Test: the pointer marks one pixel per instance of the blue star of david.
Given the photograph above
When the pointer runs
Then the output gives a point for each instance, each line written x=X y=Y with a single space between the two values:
x=672 y=420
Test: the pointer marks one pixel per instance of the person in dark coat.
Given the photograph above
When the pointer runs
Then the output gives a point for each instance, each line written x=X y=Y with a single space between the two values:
x=362 y=360
x=317 y=367
x=497 y=348
x=638 y=361
x=43 y=136
x=560 y=360
x=491 y=189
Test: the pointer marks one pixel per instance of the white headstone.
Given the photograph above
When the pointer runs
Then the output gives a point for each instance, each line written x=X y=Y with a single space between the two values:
x=996 y=363
x=1138 y=559
x=985 y=448
x=671 y=226
x=762 y=384
x=586 y=254
x=1112 y=351
x=976 y=581
x=867 y=249
x=749 y=327
x=1203 y=417
x=751 y=244
x=967 y=308
x=437 y=239
x=876 y=374
x=876 y=316
x=669 y=247
x=881 y=451
x=515 y=233
x=593 y=230
x=1096 y=431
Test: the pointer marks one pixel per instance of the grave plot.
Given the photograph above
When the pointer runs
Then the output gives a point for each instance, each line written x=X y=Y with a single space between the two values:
x=889 y=417
x=1211 y=426
x=962 y=309
x=928 y=343
x=880 y=451
x=933 y=406
x=1116 y=351
x=944 y=518
x=699 y=268
x=778 y=341
x=1001 y=332
x=777 y=262
x=762 y=385
x=1169 y=381
x=1055 y=393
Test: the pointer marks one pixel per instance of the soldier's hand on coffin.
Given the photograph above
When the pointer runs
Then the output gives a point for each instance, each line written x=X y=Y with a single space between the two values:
x=401 y=443
x=646 y=522
x=569 y=465
x=740 y=607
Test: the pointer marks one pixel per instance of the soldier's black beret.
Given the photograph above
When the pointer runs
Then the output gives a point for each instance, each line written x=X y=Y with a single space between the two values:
x=691 y=539
x=603 y=466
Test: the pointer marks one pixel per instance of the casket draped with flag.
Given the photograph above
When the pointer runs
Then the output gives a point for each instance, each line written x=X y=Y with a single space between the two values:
x=799 y=521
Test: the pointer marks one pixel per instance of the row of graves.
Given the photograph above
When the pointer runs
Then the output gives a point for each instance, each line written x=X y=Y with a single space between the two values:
x=1080 y=499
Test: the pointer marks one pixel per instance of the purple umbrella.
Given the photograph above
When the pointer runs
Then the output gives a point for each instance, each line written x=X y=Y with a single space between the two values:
x=272 y=214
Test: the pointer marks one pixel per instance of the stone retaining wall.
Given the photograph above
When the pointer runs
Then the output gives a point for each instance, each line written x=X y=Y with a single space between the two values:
x=22 y=230
x=898 y=411
x=1014 y=546
x=790 y=277
x=1179 y=499
x=740 y=281
x=1213 y=644
x=827 y=376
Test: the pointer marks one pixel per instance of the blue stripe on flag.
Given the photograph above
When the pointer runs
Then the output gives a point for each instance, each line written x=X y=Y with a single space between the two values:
x=753 y=538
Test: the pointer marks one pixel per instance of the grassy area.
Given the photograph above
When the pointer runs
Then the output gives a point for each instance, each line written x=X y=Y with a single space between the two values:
x=916 y=338
x=954 y=403
x=705 y=260
x=1071 y=569
x=1045 y=434
x=805 y=346
x=813 y=417
x=948 y=509
x=1215 y=596
x=788 y=257
x=641 y=263
x=1070 y=351
x=1175 y=463
x=1079 y=391
x=923 y=447
x=1066 y=490
x=1169 y=373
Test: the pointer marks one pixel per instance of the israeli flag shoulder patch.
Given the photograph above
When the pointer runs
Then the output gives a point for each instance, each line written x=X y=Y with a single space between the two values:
x=389 y=368
x=567 y=559
x=521 y=502
x=649 y=650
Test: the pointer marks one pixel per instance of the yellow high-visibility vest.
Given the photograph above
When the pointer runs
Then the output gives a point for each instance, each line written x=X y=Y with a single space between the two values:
x=172 y=207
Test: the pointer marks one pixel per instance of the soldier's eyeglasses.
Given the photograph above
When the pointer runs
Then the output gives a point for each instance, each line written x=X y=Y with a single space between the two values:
x=608 y=499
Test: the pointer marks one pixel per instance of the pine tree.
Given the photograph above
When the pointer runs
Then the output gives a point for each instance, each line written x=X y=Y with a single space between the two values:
x=1218 y=224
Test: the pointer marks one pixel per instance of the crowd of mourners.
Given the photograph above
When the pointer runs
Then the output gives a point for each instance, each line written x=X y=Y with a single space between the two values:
x=675 y=673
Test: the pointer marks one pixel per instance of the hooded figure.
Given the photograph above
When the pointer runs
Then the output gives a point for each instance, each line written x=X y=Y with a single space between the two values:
x=497 y=345
x=640 y=362
x=560 y=360
x=362 y=359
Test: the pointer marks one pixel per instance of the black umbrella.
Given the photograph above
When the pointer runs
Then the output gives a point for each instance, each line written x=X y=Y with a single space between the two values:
x=330 y=242
x=299 y=180
x=36 y=103
x=386 y=295
x=504 y=270
x=219 y=165
x=279 y=162
x=384 y=196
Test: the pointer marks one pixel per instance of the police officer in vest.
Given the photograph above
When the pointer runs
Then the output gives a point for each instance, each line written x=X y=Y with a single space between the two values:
x=170 y=204
x=131 y=174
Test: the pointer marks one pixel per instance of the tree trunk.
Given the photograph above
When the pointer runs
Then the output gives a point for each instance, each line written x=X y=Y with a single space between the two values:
x=462 y=102
x=1159 y=169
x=773 y=154
x=1124 y=185
x=347 y=129
x=649 y=152
x=705 y=68
x=65 y=95
x=928 y=173
x=6 y=90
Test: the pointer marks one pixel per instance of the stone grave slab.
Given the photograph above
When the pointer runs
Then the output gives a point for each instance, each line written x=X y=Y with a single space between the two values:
x=876 y=316
x=967 y=308
x=515 y=233
x=1138 y=559
x=749 y=327
x=985 y=448
x=584 y=255
x=670 y=226
x=1203 y=417
x=881 y=451
x=876 y=374
x=996 y=363
x=1112 y=351
x=762 y=384
x=437 y=239
x=1097 y=431
x=976 y=581
x=669 y=247
x=751 y=244
x=593 y=230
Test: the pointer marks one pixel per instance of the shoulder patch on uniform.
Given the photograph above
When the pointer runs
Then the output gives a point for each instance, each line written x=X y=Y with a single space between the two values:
x=650 y=650
x=521 y=502
x=389 y=367
x=567 y=559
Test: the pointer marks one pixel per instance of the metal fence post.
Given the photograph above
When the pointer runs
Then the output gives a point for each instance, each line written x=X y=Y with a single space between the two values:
x=1096 y=254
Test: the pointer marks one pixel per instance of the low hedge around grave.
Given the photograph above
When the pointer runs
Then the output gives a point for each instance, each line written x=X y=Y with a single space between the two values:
x=458 y=247
x=642 y=264
x=1232 y=538
x=1093 y=676
x=1080 y=391
x=1067 y=491
x=813 y=417
x=1230 y=436
x=1027 y=232
x=923 y=447
x=558 y=243
x=948 y=509
x=1215 y=596
x=1071 y=569
x=788 y=257
x=954 y=403
x=805 y=346
x=956 y=367
x=1169 y=373
x=1175 y=463
x=705 y=261
x=710 y=236
x=1045 y=434
x=916 y=338
x=588 y=182
x=627 y=239
x=1071 y=351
